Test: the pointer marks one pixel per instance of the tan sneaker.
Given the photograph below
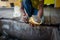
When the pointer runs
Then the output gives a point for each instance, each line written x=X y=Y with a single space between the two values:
x=34 y=20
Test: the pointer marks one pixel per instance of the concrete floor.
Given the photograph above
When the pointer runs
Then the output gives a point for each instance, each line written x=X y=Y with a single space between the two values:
x=52 y=15
x=6 y=12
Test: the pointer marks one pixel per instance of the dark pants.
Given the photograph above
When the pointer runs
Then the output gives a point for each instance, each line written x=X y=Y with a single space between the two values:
x=29 y=8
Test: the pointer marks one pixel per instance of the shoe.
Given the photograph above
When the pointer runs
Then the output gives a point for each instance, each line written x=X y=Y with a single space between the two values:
x=34 y=20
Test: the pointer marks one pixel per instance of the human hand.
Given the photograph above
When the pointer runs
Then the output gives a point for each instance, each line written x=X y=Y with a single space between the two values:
x=25 y=17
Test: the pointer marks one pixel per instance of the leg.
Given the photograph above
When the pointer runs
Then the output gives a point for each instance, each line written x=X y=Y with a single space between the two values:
x=35 y=20
x=39 y=19
x=39 y=12
x=28 y=7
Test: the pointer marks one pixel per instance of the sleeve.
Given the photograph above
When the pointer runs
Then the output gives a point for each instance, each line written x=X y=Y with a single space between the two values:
x=20 y=0
x=40 y=0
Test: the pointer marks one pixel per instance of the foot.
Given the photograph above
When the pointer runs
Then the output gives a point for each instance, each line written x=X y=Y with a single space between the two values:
x=35 y=21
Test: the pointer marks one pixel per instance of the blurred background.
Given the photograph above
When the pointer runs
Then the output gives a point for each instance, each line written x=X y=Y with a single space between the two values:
x=11 y=9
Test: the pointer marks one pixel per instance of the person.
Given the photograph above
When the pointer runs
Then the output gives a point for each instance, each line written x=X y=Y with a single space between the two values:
x=33 y=11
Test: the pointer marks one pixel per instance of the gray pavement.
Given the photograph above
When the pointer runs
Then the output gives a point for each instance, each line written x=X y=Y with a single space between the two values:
x=6 y=12
x=52 y=14
x=23 y=30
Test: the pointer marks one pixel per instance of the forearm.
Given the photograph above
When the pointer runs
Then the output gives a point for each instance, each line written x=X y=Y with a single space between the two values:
x=40 y=12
